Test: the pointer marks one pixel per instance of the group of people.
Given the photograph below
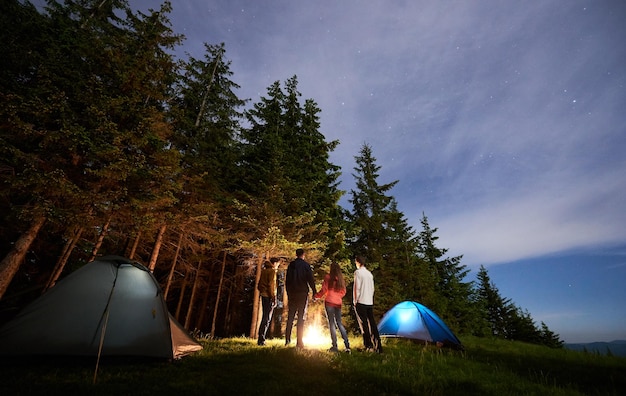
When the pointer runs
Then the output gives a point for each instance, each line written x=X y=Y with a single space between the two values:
x=299 y=279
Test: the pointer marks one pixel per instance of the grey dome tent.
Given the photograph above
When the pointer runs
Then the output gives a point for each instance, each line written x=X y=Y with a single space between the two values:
x=412 y=320
x=109 y=307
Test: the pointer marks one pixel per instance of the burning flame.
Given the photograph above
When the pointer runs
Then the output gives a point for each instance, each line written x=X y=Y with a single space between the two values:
x=316 y=335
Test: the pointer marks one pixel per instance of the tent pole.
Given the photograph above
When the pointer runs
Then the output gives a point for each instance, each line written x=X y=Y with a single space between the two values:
x=104 y=328
x=104 y=324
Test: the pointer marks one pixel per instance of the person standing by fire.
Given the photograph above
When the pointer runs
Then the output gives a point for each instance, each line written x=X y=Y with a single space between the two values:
x=334 y=288
x=267 y=290
x=363 y=299
x=298 y=280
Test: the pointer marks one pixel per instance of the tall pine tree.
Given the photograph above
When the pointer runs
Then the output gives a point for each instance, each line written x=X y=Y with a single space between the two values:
x=380 y=232
x=284 y=159
x=205 y=114
x=452 y=296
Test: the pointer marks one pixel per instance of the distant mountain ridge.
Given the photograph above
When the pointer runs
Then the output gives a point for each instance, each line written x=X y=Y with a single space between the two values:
x=617 y=347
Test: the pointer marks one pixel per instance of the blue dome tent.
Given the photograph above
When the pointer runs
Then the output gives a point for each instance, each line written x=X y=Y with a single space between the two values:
x=415 y=321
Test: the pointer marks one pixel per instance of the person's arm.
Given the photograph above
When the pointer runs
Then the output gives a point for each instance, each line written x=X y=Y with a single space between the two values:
x=311 y=280
x=289 y=278
x=355 y=289
x=323 y=290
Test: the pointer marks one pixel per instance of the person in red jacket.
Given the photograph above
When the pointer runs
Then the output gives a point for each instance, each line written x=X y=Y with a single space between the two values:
x=334 y=288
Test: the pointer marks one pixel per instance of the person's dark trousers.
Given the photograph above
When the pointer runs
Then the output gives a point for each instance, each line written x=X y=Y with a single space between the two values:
x=266 y=319
x=371 y=338
x=297 y=306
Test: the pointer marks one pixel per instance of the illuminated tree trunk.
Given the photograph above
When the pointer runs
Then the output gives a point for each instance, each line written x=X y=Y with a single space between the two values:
x=12 y=261
x=157 y=247
x=67 y=251
x=182 y=295
x=204 y=304
x=254 y=325
x=205 y=299
x=194 y=291
x=217 y=298
x=98 y=244
x=133 y=250
x=234 y=286
x=170 y=276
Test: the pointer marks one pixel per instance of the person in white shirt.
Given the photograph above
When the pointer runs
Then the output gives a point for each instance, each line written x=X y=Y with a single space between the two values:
x=363 y=299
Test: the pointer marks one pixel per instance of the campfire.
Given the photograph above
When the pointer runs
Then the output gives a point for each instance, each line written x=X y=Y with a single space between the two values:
x=315 y=333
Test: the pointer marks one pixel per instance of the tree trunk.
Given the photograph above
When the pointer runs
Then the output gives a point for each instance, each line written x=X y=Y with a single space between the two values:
x=205 y=299
x=203 y=305
x=194 y=291
x=181 y=296
x=157 y=247
x=170 y=276
x=67 y=251
x=12 y=261
x=103 y=233
x=133 y=250
x=254 y=325
x=232 y=290
x=219 y=294
x=208 y=88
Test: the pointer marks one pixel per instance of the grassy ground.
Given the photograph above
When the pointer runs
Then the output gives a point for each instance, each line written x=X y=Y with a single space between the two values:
x=238 y=366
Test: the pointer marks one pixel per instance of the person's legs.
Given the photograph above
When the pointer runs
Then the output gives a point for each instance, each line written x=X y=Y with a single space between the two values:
x=342 y=329
x=290 y=316
x=361 y=311
x=332 y=317
x=266 y=303
x=301 y=307
x=374 y=334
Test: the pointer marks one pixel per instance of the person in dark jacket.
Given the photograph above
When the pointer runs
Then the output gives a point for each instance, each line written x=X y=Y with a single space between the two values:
x=298 y=280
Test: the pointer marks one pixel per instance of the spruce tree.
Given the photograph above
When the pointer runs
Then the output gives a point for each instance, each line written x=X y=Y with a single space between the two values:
x=549 y=338
x=452 y=296
x=379 y=231
x=507 y=320
x=498 y=309
x=284 y=159
x=206 y=117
